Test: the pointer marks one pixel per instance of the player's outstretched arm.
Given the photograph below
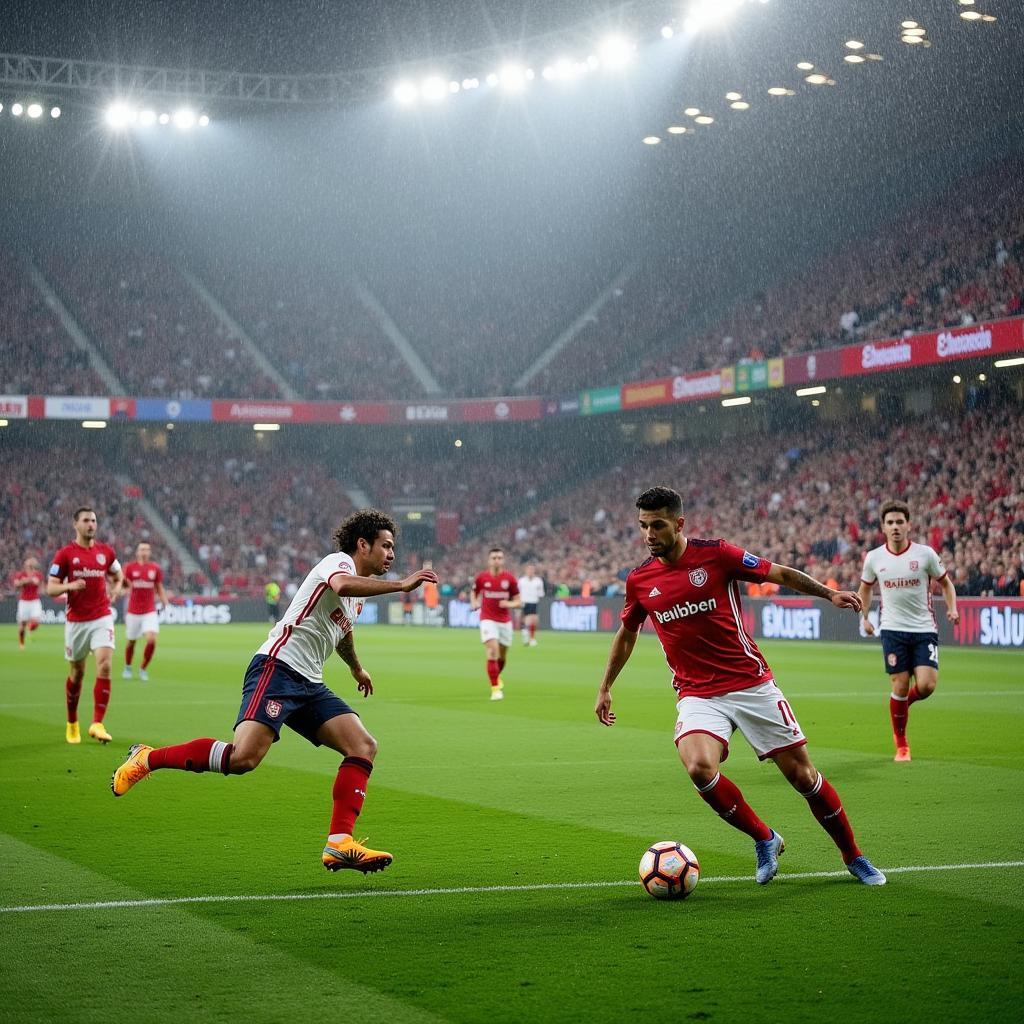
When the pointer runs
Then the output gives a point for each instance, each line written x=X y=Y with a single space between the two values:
x=622 y=647
x=364 y=586
x=347 y=652
x=787 y=576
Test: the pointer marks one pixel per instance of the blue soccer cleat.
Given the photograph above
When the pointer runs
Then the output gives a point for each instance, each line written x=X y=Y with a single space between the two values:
x=864 y=871
x=768 y=852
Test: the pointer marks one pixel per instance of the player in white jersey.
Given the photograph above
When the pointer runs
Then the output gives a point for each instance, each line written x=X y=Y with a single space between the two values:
x=910 y=639
x=284 y=686
x=531 y=590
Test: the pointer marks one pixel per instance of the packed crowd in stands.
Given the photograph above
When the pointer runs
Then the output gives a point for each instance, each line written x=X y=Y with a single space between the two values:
x=953 y=262
x=37 y=505
x=37 y=356
x=152 y=329
x=811 y=500
x=319 y=335
x=247 y=519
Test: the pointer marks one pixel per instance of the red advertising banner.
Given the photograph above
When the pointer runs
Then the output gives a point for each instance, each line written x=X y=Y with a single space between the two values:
x=948 y=345
x=813 y=367
x=497 y=410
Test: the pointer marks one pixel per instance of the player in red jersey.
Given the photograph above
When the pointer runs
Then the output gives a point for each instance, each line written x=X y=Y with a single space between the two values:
x=496 y=593
x=82 y=570
x=690 y=589
x=144 y=583
x=27 y=582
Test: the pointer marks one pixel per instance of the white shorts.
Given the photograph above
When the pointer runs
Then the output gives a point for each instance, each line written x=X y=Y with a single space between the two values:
x=500 y=631
x=30 y=611
x=761 y=713
x=136 y=625
x=82 y=637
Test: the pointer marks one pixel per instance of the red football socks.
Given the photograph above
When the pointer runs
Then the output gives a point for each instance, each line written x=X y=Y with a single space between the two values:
x=129 y=652
x=533 y=630
x=202 y=755
x=72 y=691
x=898 y=712
x=725 y=798
x=100 y=698
x=33 y=626
x=824 y=803
x=501 y=665
x=349 y=793
x=493 y=671
x=147 y=653
x=915 y=695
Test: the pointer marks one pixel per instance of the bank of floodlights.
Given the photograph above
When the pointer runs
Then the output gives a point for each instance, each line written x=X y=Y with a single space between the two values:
x=120 y=116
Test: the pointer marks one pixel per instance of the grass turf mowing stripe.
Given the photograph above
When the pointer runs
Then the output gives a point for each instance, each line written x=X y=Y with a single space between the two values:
x=468 y=889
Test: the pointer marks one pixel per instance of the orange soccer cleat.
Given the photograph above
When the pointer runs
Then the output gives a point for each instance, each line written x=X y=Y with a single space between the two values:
x=134 y=769
x=347 y=853
x=902 y=753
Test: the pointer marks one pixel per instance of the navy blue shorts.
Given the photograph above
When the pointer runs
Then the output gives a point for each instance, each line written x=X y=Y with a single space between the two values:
x=903 y=652
x=275 y=694
x=529 y=609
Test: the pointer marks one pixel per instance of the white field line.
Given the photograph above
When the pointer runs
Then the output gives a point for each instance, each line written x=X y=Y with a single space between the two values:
x=174 y=901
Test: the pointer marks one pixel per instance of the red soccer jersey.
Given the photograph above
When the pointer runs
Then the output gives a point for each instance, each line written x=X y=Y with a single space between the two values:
x=73 y=562
x=695 y=605
x=28 y=585
x=492 y=589
x=143 y=577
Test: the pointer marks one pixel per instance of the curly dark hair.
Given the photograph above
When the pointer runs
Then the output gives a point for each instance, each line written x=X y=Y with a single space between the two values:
x=894 y=506
x=365 y=523
x=654 y=499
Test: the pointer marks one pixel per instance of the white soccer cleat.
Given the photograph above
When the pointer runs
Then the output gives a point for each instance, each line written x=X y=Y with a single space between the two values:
x=127 y=673
x=143 y=675
x=767 y=852
x=497 y=693
x=865 y=872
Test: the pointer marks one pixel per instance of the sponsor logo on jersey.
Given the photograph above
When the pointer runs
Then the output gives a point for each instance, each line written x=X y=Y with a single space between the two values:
x=655 y=592
x=151 y=574
x=901 y=584
x=272 y=708
x=504 y=584
x=101 y=558
x=750 y=561
x=685 y=610
x=698 y=577
x=914 y=566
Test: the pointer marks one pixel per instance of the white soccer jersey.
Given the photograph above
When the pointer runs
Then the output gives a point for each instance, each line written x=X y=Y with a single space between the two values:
x=531 y=589
x=904 y=584
x=316 y=619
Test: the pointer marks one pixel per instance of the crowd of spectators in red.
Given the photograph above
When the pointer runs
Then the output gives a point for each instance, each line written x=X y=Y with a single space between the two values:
x=152 y=329
x=37 y=356
x=246 y=519
x=38 y=501
x=810 y=498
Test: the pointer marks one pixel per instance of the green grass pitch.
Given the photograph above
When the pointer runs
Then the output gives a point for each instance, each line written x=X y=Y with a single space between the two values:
x=530 y=792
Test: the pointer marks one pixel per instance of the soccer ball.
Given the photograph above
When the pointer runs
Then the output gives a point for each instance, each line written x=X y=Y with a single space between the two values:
x=669 y=871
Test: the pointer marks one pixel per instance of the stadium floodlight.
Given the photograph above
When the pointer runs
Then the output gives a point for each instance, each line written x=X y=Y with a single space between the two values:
x=740 y=105
x=35 y=110
x=818 y=389
x=265 y=428
x=741 y=400
x=970 y=15
x=94 y=424
x=1015 y=361
x=616 y=52
x=1 y=108
x=704 y=119
x=406 y=93
x=492 y=79
x=454 y=87
x=667 y=31
x=513 y=78
x=119 y=115
x=957 y=379
x=854 y=58
x=17 y=109
x=147 y=117
x=805 y=65
x=982 y=377
x=909 y=24
x=5 y=423
x=854 y=44
x=471 y=83
x=434 y=88
x=204 y=120
x=55 y=112
x=816 y=79
x=691 y=111
x=651 y=140
x=184 y=118
x=678 y=129
x=734 y=96
x=779 y=90
x=458 y=442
